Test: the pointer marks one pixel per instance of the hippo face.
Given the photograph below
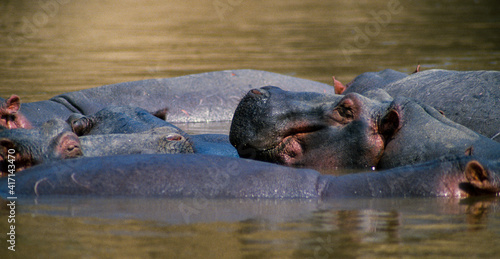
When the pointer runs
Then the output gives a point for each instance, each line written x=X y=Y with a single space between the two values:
x=330 y=131
x=29 y=147
x=307 y=129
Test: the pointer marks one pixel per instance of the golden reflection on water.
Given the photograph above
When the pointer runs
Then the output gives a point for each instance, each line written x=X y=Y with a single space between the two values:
x=50 y=47
x=343 y=228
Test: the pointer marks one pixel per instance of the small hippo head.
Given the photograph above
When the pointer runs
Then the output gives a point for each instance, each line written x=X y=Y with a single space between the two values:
x=23 y=148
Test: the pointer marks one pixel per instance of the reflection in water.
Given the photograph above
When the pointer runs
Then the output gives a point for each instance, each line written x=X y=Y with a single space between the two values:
x=233 y=228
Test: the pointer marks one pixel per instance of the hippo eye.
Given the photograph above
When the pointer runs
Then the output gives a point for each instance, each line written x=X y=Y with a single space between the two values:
x=342 y=115
x=346 y=113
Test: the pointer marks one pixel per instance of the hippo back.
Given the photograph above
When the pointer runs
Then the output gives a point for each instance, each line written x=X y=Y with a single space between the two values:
x=202 y=97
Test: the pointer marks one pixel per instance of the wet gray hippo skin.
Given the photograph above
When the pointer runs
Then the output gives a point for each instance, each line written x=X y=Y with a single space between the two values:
x=119 y=120
x=202 y=97
x=116 y=123
x=470 y=98
x=156 y=141
x=115 y=130
x=205 y=176
x=52 y=141
x=55 y=141
x=328 y=131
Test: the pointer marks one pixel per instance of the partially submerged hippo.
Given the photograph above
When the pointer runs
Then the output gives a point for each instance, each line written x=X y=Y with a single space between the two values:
x=115 y=130
x=205 y=176
x=330 y=131
x=119 y=120
x=116 y=123
x=155 y=141
x=28 y=147
x=470 y=98
x=202 y=97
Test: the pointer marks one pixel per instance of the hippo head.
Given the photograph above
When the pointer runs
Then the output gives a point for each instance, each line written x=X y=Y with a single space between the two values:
x=310 y=129
x=331 y=131
x=118 y=120
x=23 y=148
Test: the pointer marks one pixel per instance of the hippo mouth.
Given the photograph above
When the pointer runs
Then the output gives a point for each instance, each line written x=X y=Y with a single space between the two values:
x=290 y=145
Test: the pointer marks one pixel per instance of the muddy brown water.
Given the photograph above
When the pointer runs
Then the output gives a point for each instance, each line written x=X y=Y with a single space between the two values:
x=50 y=47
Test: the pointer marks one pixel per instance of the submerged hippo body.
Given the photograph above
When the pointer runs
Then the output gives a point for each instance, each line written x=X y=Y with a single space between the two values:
x=156 y=141
x=202 y=97
x=55 y=141
x=205 y=176
x=470 y=98
x=329 y=131
x=120 y=120
x=120 y=130
x=115 y=130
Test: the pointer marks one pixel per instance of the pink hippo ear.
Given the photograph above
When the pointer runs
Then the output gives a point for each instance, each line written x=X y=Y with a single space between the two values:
x=12 y=104
x=480 y=179
x=389 y=125
x=338 y=86
x=11 y=117
x=417 y=69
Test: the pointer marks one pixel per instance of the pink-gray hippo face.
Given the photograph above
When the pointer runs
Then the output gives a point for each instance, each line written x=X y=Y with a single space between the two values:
x=309 y=129
x=332 y=131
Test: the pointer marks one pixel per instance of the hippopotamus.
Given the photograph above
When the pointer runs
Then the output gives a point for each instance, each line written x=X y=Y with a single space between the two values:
x=28 y=147
x=10 y=116
x=118 y=123
x=119 y=120
x=326 y=132
x=201 y=97
x=54 y=142
x=208 y=176
x=155 y=141
x=470 y=98
x=115 y=130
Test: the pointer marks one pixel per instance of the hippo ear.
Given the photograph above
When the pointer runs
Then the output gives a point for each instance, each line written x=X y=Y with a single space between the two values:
x=338 y=86
x=469 y=151
x=82 y=126
x=162 y=114
x=389 y=124
x=479 y=179
x=65 y=145
x=12 y=104
x=475 y=173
